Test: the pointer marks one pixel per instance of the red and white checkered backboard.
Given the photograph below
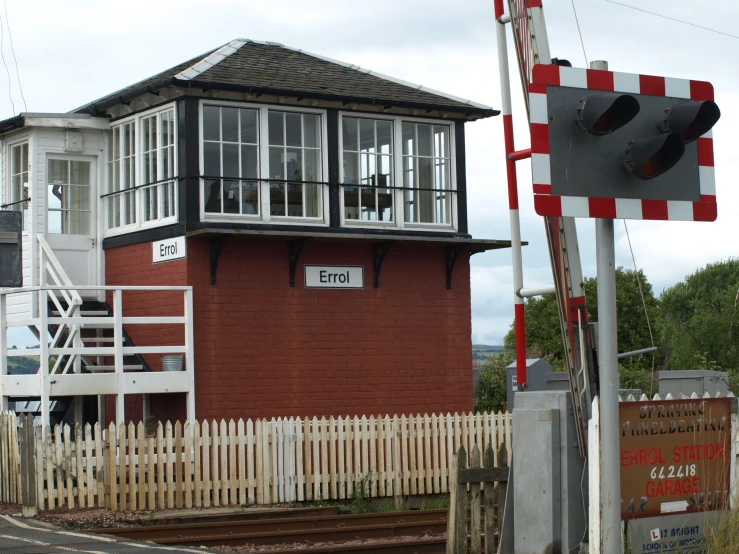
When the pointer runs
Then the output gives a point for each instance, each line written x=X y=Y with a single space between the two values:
x=548 y=204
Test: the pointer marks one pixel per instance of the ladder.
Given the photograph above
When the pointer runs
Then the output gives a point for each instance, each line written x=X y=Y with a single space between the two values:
x=532 y=47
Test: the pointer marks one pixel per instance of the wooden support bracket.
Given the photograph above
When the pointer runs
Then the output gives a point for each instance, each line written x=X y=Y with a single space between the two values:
x=216 y=246
x=295 y=249
x=378 y=255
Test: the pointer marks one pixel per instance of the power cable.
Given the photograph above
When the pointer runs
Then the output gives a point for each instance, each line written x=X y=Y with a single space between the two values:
x=2 y=55
x=17 y=73
x=644 y=304
x=577 y=21
x=673 y=19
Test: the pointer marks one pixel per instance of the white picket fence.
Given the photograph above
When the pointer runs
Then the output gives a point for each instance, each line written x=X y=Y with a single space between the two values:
x=256 y=462
x=10 y=479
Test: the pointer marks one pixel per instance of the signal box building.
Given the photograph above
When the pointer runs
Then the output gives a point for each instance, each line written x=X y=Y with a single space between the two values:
x=316 y=210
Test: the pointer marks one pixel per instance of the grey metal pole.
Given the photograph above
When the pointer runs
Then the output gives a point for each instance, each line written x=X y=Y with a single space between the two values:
x=610 y=476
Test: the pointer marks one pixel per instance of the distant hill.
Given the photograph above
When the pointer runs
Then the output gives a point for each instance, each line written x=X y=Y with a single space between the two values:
x=481 y=352
x=22 y=365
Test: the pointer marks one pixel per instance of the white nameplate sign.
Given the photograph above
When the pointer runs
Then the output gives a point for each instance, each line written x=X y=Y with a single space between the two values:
x=334 y=277
x=169 y=249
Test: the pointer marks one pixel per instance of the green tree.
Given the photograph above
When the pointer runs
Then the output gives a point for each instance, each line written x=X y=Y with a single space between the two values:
x=543 y=331
x=700 y=316
x=492 y=393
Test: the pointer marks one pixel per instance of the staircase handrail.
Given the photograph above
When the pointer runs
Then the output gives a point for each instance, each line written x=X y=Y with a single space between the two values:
x=58 y=269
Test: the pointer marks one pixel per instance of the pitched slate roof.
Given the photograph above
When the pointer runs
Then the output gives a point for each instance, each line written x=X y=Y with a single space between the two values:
x=271 y=68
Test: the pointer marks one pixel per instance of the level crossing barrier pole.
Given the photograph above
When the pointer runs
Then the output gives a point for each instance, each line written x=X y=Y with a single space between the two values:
x=610 y=481
x=505 y=100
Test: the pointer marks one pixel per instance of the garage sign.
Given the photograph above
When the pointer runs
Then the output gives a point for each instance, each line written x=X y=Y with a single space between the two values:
x=675 y=456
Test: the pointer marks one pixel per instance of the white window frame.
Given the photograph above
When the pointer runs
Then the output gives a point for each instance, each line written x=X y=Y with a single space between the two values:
x=264 y=207
x=397 y=153
x=139 y=172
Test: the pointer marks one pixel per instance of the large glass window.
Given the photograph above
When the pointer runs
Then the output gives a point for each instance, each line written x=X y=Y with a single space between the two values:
x=262 y=163
x=368 y=162
x=158 y=165
x=426 y=174
x=19 y=180
x=121 y=209
x=294 y=165
x=141 y=173
x=231 y=160
x=68 y=197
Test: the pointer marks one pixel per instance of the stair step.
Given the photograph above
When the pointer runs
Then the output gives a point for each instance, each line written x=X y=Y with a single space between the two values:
x=100 y=339
x=85 y=313
x=104 y=368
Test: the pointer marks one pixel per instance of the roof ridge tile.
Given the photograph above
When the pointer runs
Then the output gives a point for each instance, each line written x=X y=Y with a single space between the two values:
x=211 y=60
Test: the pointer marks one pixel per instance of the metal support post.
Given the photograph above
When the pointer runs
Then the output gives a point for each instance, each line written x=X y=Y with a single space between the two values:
x=610 y=482
x=505 y=99
x=118 y=356
x=190 y=355
x=43 y=313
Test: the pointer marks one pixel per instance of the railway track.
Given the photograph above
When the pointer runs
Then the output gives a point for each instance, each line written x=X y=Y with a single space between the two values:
x=304 y=530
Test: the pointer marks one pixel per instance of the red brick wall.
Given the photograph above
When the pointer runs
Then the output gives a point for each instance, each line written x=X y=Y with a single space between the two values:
x=264 y=349
x=132 y=265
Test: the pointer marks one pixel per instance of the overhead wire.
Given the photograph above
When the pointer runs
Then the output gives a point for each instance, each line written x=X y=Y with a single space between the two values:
x=15 y=60
x=582 y=43
x=673 y=19
x=2 y=55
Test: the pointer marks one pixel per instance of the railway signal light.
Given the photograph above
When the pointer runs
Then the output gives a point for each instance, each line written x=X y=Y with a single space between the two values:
x=690 y=120
x=602 y=114
x=650 y=157
x=616 y=145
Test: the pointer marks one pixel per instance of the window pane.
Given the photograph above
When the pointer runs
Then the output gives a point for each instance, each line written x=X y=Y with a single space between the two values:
x=249 y=126
x=276 y=168
x=213 y=196
x=369 y=209
x=424 y=140
x=211 y=123
x=425 y=198
x=58 y=171
x=312 y=200
x=312 y=165
x=409 y=139
x=310 y=131
x=276 y=131
x=77 y=197
x=54 y=198
x=384 y=171
x=230 y=160
x=295 y=200
x=367 y=169
x=441 y=142
x=349 y=134
x=384 y=137
x=79 y=173
x=425 y=173
x=212 y=159
x=117 y=143
x=249 y=162
x=367 y=135
x=230 y=124
x=385 y=204
x=351 y=202
x=231 y=198
x=277 y=199
x=249 y=198
x=293 y=129
x=294 y=164
x=351 y=168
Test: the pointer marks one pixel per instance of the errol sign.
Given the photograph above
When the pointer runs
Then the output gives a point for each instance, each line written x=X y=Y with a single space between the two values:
x=675 y=456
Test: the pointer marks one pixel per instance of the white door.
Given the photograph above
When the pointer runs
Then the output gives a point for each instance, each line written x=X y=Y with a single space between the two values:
x=71 y=216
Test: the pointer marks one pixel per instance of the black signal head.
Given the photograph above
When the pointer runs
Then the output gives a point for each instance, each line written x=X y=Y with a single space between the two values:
x=691 y=120
x=650 y=157
x=603 y=113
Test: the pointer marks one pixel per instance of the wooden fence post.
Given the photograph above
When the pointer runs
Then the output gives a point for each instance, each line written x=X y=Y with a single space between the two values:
x=475 y=531
x=456 y=542
x=28 y=466
x=490 y=505
x=502 y=494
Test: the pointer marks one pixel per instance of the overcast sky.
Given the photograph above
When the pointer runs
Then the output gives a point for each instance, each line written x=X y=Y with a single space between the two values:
x=69 y=53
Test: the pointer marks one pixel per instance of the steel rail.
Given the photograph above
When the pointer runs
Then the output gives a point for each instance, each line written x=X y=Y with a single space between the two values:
x=431 y=545
x=411 y=521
